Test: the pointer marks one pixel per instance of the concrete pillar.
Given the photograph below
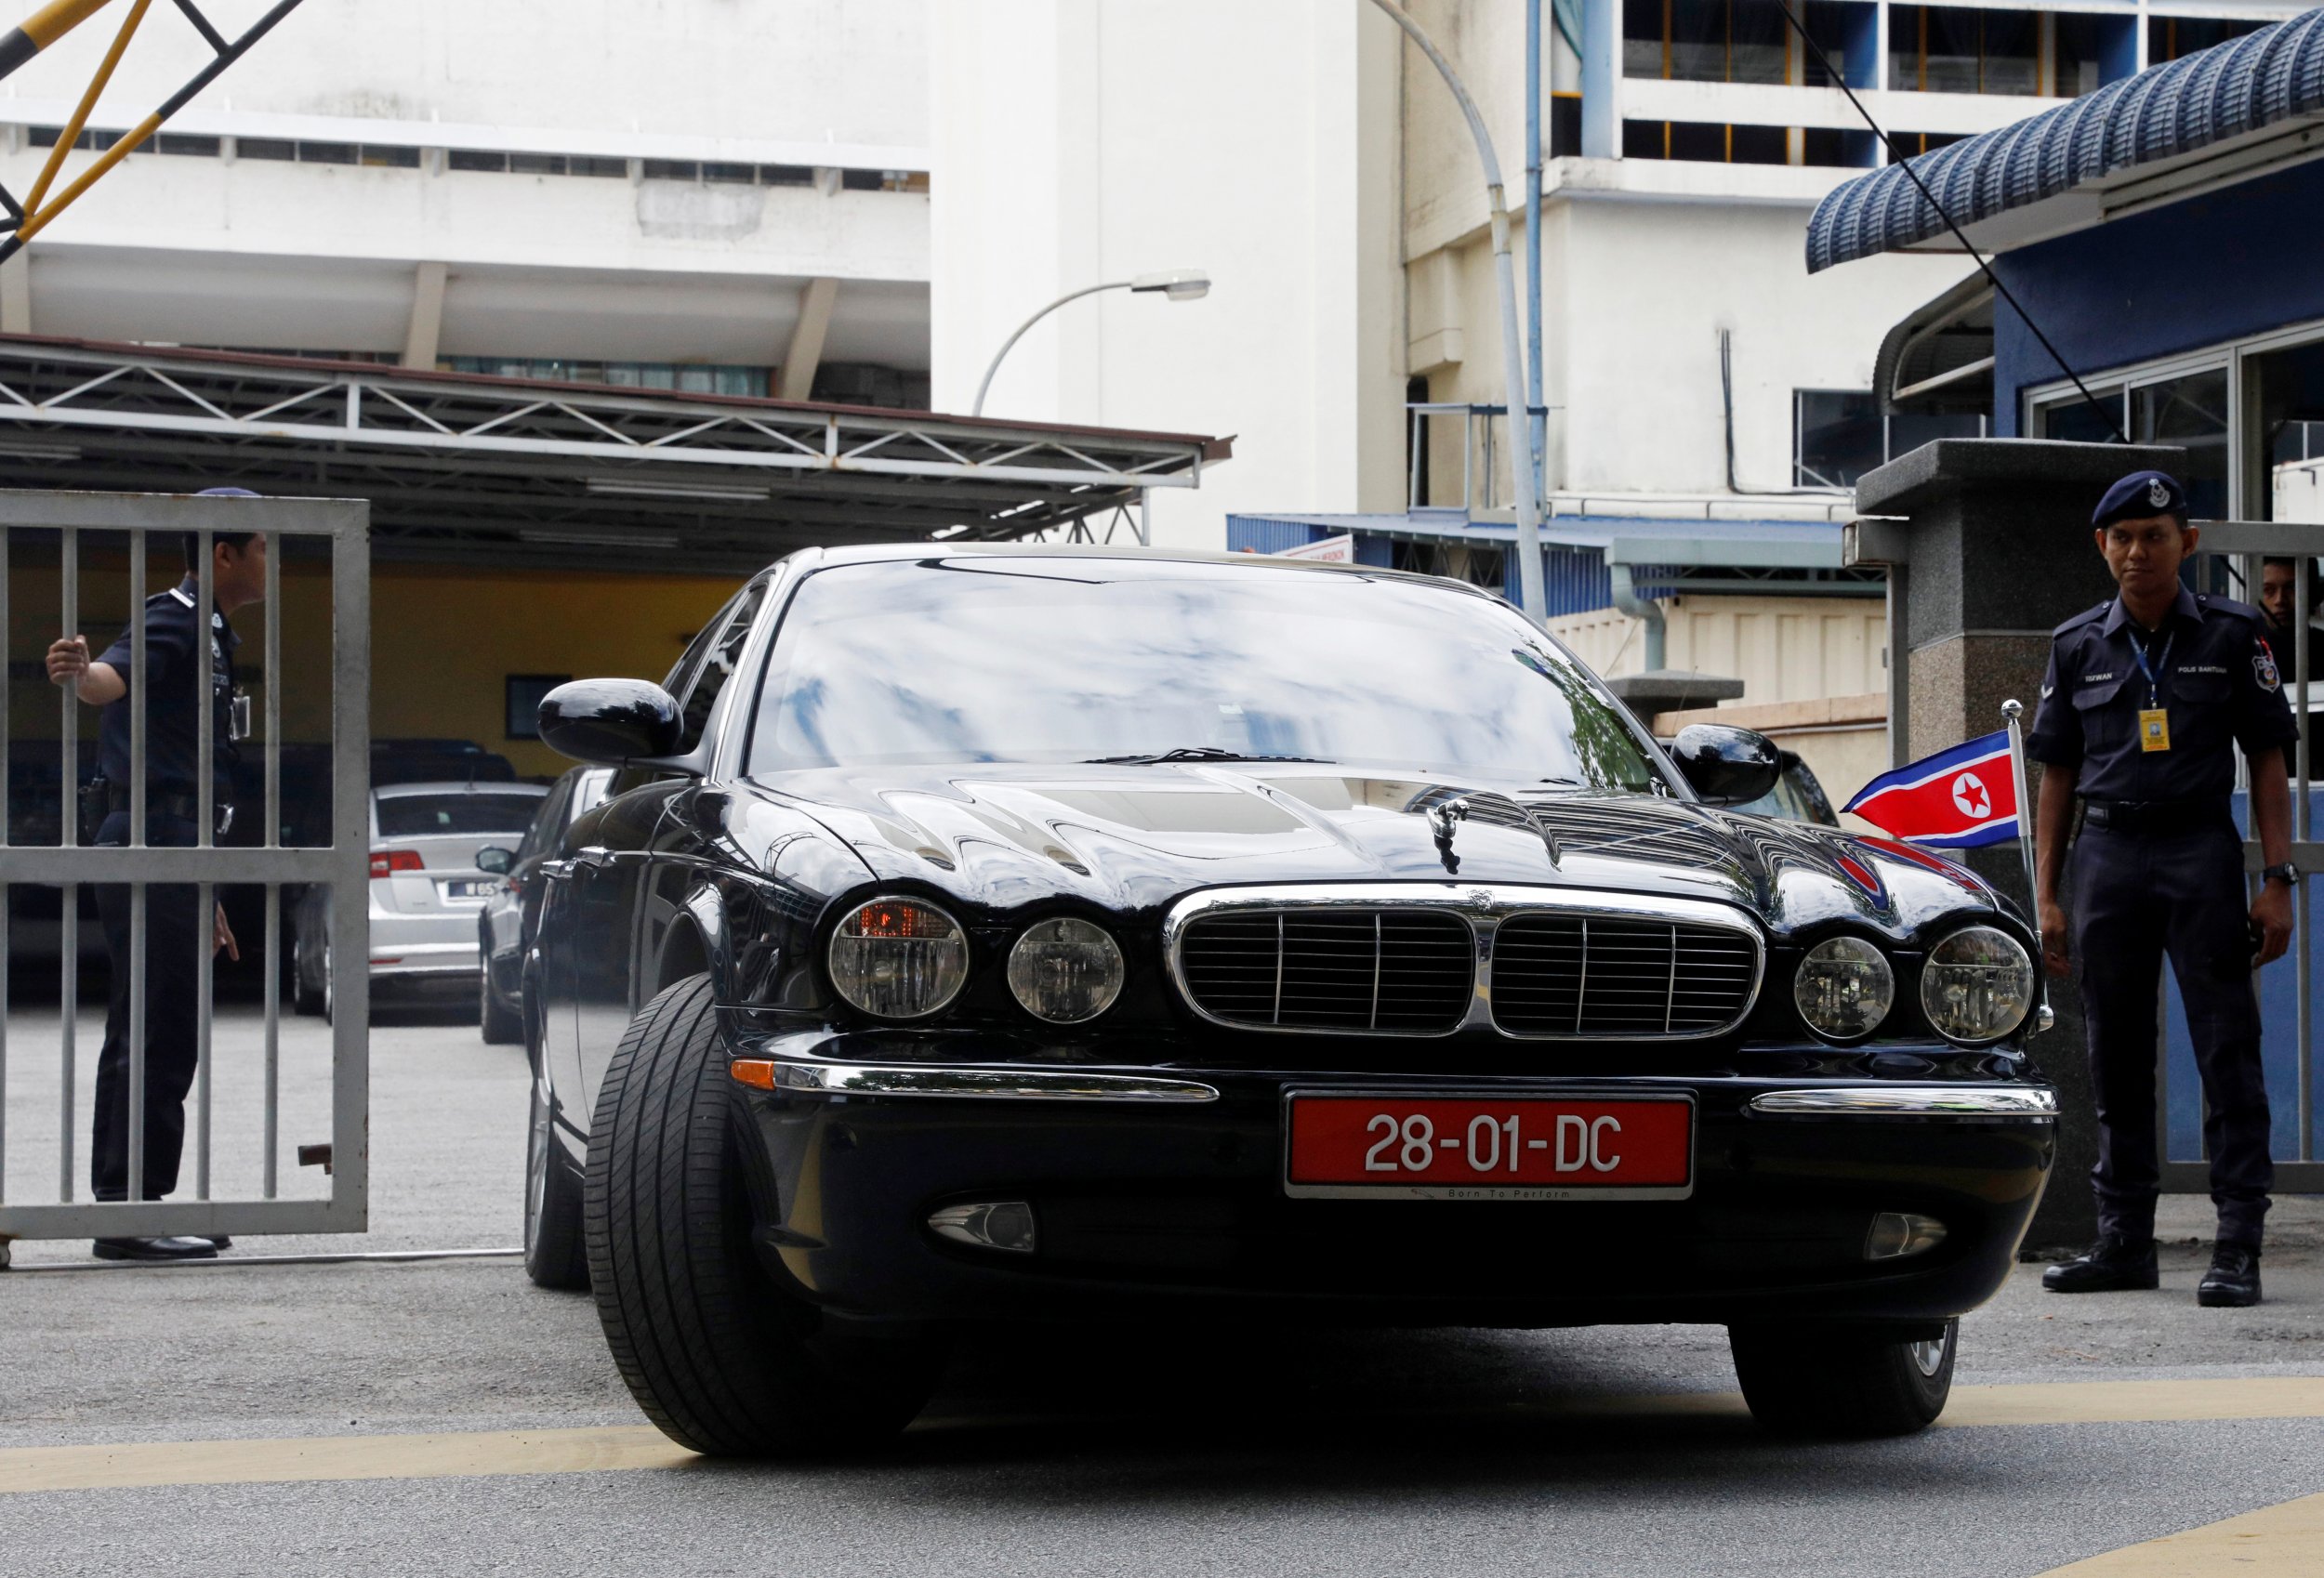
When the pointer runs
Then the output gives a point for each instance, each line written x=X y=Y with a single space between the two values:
x=1988 y=549
x=424 y=327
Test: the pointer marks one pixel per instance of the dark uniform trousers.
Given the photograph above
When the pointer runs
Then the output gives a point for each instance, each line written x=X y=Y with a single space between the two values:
x=2138 y=896
x=176 y=938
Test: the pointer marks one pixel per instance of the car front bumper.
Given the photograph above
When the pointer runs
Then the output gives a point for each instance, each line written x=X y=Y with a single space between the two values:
x=1165 y=1187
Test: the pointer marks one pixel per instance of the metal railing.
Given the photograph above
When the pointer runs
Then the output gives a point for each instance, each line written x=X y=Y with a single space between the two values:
x=68 y=519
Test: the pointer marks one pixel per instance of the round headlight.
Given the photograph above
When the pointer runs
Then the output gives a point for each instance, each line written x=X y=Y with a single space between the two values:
x=1843 y=988
x=899 y=958
x=1065 y=970
x=1978 y=985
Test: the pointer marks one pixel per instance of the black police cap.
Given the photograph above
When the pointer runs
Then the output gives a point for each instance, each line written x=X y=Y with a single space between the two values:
x=2139 y=496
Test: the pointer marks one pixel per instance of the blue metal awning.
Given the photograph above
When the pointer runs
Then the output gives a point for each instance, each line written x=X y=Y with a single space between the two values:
x=1623 y=539
x=2231 y=90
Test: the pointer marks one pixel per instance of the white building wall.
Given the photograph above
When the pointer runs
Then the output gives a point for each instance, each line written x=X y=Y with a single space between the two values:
x=1076 y=143
x=265 y=254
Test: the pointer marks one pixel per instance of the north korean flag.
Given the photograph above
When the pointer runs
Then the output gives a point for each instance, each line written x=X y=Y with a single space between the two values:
x=1956 y=799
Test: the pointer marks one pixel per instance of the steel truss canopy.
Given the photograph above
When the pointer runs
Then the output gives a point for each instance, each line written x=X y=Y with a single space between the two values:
x=480 y=470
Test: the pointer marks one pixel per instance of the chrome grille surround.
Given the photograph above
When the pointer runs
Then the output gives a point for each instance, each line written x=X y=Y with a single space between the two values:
x=1481 y=908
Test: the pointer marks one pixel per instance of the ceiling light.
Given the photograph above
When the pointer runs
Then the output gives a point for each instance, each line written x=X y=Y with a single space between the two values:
x=715 y=493
x=599 y=539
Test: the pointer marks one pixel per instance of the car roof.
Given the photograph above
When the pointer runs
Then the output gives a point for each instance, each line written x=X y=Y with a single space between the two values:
x=885 y=553
x=456 y=786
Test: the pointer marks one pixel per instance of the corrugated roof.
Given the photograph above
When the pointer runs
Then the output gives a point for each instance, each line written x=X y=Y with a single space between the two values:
x=2163 y=113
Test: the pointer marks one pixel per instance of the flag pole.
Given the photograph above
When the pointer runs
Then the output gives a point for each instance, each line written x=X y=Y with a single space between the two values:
x=2011 y=711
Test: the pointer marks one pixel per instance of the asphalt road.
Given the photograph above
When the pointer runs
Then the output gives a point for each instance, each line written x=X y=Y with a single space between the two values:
x=447 y=1416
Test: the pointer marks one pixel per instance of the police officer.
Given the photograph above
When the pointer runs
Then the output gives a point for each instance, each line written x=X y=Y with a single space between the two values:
x=172 y=704
x=2147 y=698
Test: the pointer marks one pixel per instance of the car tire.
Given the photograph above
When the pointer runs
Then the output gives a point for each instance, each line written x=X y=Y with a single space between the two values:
x=555 y=1256
x=306 y=989
x=1837 y=1382
x=499 y=1026
x=717 y=1352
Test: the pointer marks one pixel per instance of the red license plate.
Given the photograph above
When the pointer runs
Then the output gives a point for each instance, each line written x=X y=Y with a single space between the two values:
x=1432 y=1147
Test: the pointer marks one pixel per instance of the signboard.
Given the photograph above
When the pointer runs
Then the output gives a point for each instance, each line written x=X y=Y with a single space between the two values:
x=1329 y=550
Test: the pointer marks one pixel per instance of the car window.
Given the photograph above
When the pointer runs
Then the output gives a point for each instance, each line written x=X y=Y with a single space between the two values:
x=1033 y=659
x=419 y=816
x=550 y=819
x=717 y=664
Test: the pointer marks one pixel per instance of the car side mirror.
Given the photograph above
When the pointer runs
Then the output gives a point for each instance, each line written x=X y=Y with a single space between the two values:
x=494 y=859
x=612 y=722
x=1726 y=766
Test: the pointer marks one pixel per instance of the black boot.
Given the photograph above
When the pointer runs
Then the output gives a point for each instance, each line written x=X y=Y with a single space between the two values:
x=2233 y=1281
x=2113 y=1265
x=153 y=1249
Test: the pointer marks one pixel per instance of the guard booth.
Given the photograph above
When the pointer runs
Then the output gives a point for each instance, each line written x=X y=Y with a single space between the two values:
x=555 y=529
x=239 y=1113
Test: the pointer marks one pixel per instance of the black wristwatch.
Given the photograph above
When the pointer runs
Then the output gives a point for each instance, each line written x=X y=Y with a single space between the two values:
x=2287 y=874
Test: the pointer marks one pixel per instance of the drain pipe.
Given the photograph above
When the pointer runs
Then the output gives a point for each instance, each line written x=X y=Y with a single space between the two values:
x=1648 y=611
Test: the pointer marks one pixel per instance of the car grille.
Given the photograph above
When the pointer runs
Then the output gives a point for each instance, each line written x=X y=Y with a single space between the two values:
x=1358 y=970
x=1388 y=959
x=1577 y=975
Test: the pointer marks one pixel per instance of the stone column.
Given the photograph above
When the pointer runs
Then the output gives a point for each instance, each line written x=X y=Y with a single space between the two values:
x=1988 y=549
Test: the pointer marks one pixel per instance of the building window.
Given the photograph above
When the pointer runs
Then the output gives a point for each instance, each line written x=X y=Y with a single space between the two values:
x=2170 y=37
x=1732 y=41
x=523 y=693
x=2188 y=408
x=683 y=377
x=1838 y=435
x=1955 y=49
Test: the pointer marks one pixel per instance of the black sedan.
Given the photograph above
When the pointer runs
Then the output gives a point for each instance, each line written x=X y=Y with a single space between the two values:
x=983 y=933
x=504 y=928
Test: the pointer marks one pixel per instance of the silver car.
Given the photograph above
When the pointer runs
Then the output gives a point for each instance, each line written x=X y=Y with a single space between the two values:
x=426 y=890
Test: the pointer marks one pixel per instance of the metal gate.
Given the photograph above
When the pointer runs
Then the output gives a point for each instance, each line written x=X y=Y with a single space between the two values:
x=2230 y=559
x=72 y=525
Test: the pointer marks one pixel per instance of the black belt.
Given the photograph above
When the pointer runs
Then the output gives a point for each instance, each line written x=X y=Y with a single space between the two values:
x=185 y=808
x=2157 y=816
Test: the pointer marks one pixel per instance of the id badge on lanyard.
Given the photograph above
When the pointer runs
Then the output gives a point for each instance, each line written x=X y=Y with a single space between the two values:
x=2154 y=719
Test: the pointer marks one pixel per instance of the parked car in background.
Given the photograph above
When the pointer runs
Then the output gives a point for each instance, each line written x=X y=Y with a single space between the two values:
x=425 y=889
x=504 y=928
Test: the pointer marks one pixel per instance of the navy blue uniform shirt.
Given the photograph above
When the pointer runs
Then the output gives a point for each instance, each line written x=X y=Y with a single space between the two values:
x=2214 y=676
x=172 y=679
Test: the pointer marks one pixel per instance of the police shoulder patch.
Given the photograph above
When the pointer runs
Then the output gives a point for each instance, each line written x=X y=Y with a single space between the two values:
x=2263 y=668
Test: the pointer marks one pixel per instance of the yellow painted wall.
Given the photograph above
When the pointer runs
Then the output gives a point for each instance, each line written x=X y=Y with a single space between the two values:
x=443 y=642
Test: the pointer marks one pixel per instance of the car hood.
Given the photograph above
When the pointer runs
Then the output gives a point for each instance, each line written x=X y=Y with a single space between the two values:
x=1130 y=839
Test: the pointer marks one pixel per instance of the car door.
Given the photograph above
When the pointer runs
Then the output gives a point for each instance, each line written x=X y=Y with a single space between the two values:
x=674 y=865
x=604 y=908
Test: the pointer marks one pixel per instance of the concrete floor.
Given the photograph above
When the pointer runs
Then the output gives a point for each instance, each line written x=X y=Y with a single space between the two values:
x=1600 y=1452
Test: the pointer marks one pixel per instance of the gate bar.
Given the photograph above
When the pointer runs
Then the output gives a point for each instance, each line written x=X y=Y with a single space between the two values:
x=8 y=633
x=139 y=913
x=274 y=678
x=69 y=791
x=204 y=894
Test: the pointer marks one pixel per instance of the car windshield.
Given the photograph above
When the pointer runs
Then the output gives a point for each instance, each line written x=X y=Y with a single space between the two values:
x=416 y=816
x=1009 y=659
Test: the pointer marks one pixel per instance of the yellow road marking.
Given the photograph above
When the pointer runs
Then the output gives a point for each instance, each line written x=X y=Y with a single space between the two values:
x=2276 y=1542
x=339 y=1457
x=620 y=1448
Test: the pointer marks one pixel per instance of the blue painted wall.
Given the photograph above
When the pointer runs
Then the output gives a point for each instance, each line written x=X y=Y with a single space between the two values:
x=2240 y=261
x=1256 y=534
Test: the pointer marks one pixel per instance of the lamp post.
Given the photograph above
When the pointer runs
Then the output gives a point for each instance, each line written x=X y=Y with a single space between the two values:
x=1175 y=284
x=1512 y=356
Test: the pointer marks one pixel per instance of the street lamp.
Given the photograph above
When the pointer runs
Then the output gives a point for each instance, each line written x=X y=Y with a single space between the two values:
x=1176 y=284
x=1513 y=357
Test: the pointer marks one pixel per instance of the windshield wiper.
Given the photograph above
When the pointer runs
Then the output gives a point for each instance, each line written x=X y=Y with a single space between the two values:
x=1190 y=753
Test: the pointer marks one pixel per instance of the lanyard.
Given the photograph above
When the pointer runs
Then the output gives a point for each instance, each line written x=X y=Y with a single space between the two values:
x=2138 y=651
